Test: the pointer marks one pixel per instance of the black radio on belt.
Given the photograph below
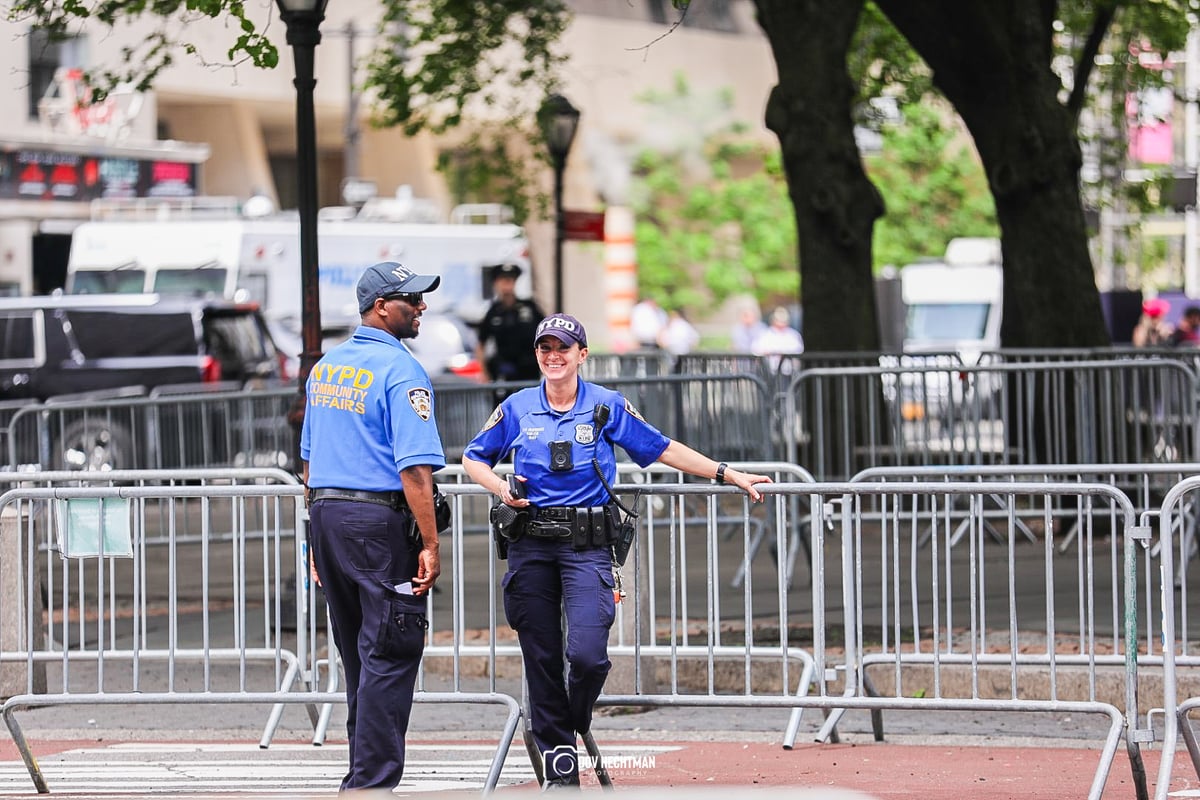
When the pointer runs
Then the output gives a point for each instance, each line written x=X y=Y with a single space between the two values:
x=560 y=456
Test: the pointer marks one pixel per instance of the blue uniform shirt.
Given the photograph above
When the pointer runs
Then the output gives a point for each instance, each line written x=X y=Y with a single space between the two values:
x=525 y=424
x=369 y=415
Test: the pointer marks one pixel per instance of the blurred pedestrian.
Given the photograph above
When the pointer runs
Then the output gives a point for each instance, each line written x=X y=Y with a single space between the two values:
x=1152 y=329
x=370 y=446
x=506 y=330
x=646 y=322
x=678 y=337
x=561 y=529
x=748 y=328
x=778 y=340
x=1187 y=332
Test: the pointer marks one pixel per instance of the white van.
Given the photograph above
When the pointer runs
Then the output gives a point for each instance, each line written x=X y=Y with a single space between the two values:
x=952 y=315
x=955 y=306
x=222 y=254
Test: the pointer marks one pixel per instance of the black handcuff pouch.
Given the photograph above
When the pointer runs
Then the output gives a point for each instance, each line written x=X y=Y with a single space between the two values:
x=591 y=528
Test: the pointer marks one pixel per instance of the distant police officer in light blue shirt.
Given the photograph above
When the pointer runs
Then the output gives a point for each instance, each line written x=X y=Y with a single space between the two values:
x=370 y=446
x=554 y=431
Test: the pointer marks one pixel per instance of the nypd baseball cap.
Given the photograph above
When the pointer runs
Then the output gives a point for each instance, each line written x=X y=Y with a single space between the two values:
x=563 y=327
x=388 y=278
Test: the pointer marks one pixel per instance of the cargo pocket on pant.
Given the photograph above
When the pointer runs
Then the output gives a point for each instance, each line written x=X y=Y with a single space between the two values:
x=402 y=632
x=608 y=601
x=513 y=604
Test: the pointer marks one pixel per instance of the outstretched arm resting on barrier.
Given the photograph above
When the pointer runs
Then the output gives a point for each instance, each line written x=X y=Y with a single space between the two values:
x=684 y=458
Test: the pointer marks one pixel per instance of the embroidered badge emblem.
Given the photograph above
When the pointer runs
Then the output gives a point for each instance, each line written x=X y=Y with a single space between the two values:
x=422 y=402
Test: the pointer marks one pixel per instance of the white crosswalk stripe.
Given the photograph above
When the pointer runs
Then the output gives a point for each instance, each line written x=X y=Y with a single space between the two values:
x=195 y=769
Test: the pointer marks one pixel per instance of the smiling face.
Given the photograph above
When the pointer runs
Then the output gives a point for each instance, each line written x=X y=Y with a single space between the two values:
x=558 y=361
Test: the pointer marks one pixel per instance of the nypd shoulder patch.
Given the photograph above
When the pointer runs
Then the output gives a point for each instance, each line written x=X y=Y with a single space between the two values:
x=494 y=419
x=629 y=407
x=421 y=401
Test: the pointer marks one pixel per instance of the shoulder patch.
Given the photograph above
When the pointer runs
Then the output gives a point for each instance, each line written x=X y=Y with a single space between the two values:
x=422 y=402
x=629 y=407
x=494 y=419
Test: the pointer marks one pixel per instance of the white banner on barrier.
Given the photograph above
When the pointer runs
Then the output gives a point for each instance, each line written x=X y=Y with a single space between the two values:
x=80 y=524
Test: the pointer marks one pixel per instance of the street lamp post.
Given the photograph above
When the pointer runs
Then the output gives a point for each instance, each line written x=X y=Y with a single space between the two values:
x=558 y=120
x=303 y=20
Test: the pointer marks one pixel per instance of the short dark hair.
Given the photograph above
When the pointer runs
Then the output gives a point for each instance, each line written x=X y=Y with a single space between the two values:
x=1191 y=311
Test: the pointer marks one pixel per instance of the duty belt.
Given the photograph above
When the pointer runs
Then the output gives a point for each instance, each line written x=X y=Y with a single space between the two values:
x=390 y=499
x=563 y=522
x=553 y=514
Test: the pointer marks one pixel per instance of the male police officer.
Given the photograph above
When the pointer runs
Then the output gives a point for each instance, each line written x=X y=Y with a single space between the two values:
x=507 y=329
x=370 y=446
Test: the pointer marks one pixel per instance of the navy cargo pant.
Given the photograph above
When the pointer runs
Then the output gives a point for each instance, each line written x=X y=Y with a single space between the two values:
x=362 y=555
x=544 y=576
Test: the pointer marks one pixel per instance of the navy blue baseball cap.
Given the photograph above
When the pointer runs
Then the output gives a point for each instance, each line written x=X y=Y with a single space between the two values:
x=563 y=327
x=388 y=278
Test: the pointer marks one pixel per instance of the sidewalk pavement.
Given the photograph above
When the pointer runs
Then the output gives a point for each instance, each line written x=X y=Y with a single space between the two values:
x=851 y=770
x=889 y=770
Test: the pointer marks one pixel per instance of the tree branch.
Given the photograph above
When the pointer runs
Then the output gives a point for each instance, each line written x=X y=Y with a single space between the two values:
x=674 y=25
x=1087 y=57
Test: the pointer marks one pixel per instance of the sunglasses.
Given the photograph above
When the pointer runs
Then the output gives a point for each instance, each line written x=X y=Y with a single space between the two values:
x=412 y=298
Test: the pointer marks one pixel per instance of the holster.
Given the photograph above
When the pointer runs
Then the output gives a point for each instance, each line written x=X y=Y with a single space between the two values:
x=508 y=525
x=441 y=514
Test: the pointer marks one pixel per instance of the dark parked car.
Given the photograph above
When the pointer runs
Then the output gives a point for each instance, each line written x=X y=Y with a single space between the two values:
x=69 y=351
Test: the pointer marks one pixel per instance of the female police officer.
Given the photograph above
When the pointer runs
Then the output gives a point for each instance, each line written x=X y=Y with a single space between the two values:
x=555 y=430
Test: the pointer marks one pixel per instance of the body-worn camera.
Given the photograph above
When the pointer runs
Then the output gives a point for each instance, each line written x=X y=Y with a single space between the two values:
x=560 y=456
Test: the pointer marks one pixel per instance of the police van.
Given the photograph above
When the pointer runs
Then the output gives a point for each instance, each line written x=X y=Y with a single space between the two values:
x=212 y=249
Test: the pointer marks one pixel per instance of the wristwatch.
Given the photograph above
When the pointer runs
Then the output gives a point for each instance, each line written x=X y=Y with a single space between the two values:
x=720 y=477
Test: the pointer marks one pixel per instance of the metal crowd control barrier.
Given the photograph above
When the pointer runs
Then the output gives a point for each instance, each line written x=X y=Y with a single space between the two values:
x=904 y=611
x=631 y=477
x=726 y=416
x=133 y=614
x=166 y=430
x=1178 y=646
x=1079 y=412
x=878 y=609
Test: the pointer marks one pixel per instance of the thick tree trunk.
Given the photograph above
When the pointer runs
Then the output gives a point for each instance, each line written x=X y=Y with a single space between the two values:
x=835 y=204
x=992 y=61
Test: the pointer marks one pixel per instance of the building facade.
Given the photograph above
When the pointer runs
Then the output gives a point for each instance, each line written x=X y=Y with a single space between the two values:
x=230 y=131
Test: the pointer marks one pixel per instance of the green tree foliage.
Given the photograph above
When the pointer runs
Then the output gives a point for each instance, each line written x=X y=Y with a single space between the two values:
x=712 y=213
x=432 y=57
x=492 y=169
x=932 y=185
x=440 y=55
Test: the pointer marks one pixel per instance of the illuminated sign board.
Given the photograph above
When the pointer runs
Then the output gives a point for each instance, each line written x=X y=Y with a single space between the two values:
x=29 y=174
